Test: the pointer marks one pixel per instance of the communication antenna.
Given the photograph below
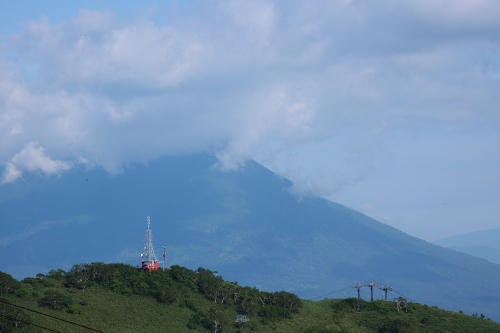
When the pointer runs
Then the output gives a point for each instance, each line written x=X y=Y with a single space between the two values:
x=149 y=261
x=359 y=286
x=371 y=285
x=385 y=289
x=164 y=255
x=241 y=319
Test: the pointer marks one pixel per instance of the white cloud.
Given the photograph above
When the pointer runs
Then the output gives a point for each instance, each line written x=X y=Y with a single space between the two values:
x=10 y=174
x=477 y=13
x=32 y=158
x=244 y=78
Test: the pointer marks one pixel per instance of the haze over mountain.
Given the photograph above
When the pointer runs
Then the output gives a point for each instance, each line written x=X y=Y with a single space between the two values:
x=245 y=224
x=483 y=244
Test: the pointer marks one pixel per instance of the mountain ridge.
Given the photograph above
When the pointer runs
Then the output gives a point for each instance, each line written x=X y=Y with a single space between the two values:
x=482 y=244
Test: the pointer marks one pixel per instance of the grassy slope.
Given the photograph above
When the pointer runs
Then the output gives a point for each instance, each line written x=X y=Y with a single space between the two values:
x=113 y=312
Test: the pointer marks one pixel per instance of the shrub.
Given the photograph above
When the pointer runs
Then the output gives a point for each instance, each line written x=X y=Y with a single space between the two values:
x=71 y=309
x=55 y=300
x=396 y=326
x=166 y=296
x=270 y=312
x=49 y=282
x=23 y=293
x=30 y=280
x=190 y=305
x=324 y=330
x=120 y=287
x=199 y=319
x=8 y=284
x=56 y=275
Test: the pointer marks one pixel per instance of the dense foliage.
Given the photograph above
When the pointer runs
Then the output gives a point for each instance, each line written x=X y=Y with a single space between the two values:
x=171 y=285
x=8 y=284
x=402 y=316
x=122 y=298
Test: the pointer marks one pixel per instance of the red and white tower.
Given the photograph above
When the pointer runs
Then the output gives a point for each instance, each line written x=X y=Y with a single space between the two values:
x=149 y=261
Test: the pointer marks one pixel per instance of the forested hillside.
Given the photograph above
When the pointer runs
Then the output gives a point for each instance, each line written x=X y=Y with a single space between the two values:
x=122 y=298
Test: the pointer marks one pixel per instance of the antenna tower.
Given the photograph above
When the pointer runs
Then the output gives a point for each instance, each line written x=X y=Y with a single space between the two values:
x=149 y=261
x=385 y=289
x=371 y=285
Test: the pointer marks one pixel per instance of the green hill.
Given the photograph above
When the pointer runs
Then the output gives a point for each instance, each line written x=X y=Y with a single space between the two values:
x=120 y=298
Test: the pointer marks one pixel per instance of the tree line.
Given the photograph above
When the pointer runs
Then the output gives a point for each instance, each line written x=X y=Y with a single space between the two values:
x=174 y=284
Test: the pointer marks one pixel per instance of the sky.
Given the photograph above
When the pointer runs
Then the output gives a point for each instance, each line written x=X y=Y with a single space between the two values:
x=390 y=107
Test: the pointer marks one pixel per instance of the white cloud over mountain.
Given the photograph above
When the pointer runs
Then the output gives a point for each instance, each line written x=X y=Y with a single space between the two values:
x=246 y=79
x=32 y=158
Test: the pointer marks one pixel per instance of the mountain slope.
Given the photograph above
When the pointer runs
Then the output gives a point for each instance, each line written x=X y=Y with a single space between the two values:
x=244 y=224
x=483 y=244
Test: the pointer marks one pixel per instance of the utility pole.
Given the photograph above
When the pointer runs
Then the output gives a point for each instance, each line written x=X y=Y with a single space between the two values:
x=371 y=285
x=164 y=255
x=385 y=289
x=359 y=286
x=241 y=319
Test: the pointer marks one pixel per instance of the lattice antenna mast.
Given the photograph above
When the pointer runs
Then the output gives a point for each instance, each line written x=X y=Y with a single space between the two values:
x=149 y=261
x=371 y=285
x=385 y=289
x=359 y=286
x=149 y=252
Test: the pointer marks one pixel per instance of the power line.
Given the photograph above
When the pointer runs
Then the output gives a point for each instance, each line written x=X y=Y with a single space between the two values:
x=397 y=292
x=47 y=315
x=29 y=323
x=333 y=292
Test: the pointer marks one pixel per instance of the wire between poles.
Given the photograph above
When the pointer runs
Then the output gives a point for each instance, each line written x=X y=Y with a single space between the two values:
x=29 y=323
x=402 y=295
x=44 y=314
x=333 y=292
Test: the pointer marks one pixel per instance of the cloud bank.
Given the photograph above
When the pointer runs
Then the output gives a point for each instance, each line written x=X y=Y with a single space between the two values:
x=241 y=79
x=32 y=158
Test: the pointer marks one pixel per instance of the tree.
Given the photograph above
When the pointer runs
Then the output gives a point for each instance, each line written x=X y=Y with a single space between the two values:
x=57 y=275
x=166 y=295
x=78 y=276
x=55 y=300
x=8 y=283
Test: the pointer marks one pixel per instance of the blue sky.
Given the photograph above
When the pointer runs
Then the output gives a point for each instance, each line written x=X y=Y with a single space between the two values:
x=389 y=108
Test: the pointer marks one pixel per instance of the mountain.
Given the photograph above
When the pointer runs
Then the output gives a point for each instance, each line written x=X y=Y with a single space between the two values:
x=483 y=244
x=246 y=224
